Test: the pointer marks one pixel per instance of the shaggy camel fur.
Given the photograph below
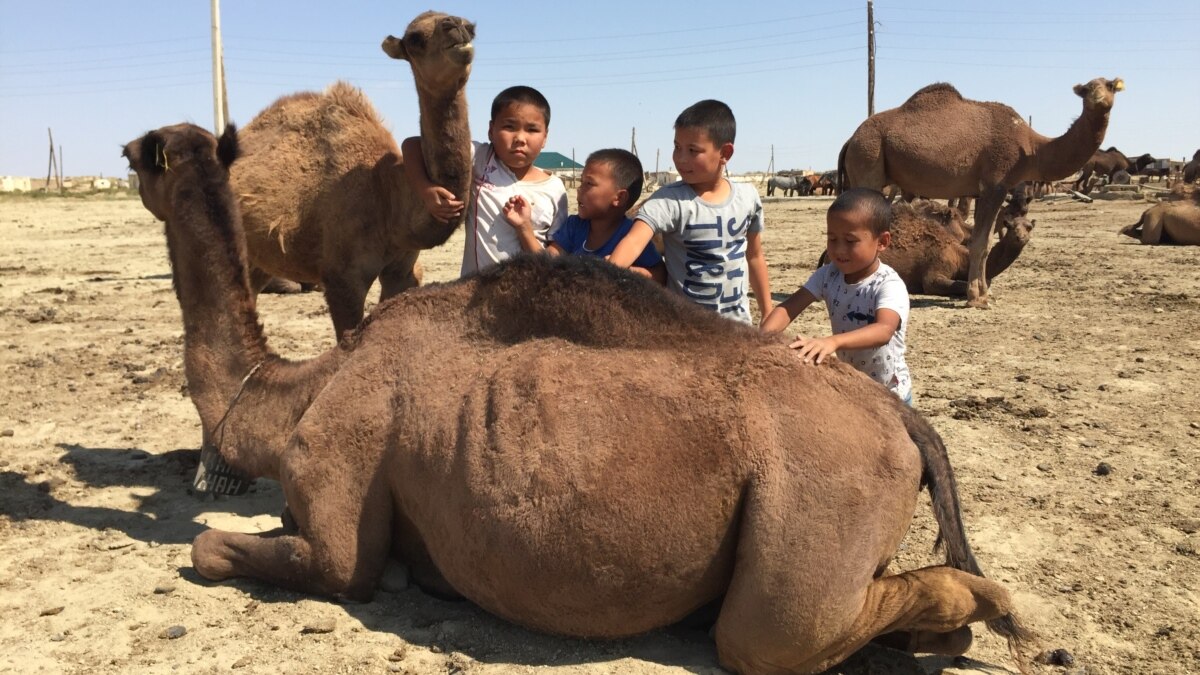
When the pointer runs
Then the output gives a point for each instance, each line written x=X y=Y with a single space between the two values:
x=1169 y=222
x=940 y=145
x=447 y=431
x=322 y=187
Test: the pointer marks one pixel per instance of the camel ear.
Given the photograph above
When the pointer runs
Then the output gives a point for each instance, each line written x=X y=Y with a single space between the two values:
x=152 y=150
x=394 y=47
x=1080 y=90
x=1117 y=85
x=227 y=146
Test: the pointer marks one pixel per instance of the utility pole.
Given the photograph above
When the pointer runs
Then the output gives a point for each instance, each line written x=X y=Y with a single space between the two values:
x=870 y=58
x=52 y=169
x=633 y=142
x=770 y=165
x=219 y=107
x=60 y=169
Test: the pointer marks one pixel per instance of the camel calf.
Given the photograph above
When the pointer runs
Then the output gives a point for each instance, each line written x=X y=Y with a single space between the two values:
x=485 y=440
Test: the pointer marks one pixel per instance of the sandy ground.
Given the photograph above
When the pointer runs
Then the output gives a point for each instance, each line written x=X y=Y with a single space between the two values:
x=1070 y=410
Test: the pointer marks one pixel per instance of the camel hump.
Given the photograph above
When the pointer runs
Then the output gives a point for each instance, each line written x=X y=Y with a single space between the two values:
x=352 y=100
x=937 y=90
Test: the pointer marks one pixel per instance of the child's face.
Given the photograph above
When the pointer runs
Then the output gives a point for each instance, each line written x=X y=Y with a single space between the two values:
x=598 y=194
x=697 y=158
x=853 y=248
x=518 y=134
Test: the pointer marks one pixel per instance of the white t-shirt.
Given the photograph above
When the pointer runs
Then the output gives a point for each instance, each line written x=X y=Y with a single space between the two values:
x=853 y=306
x=490 y=238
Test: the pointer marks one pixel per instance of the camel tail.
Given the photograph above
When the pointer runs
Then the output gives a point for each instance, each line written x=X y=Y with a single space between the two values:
x=938 y=476
x=842 y=181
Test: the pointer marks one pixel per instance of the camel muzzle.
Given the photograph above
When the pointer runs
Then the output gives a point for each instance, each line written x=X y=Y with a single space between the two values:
x=215 y=476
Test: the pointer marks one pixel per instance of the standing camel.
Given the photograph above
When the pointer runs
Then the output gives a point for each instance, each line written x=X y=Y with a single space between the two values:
x=1102 y=163
x=322 y=187
x=941 y=145
x=446 y=431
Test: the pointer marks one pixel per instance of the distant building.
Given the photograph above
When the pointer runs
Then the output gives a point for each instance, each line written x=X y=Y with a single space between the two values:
x=553 y=161
x=15 y=184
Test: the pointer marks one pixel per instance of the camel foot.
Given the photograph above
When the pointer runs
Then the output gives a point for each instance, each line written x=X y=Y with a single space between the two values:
x=954 y=643
x=281 y=286
x=978 y=303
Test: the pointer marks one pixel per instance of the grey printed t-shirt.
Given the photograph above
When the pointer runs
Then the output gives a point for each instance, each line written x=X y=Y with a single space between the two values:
x=706 y=244
x=853 y=306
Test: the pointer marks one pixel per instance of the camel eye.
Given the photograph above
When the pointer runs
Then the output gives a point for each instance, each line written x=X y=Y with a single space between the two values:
x=415 y=40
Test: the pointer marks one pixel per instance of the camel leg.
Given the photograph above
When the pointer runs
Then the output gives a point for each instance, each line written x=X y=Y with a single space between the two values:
x=926 y=610
x=940 y=284
x=400 y=275
x=987 y=205
x=1152 y=229
x=339 y=546
x=346 y=296
x=258 y=280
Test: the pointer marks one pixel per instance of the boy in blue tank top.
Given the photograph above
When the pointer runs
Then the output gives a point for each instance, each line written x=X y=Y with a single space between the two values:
x=610 y=183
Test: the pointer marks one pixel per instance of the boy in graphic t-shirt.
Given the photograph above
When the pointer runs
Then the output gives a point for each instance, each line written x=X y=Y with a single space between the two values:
x=866 y=299
x=712 y=228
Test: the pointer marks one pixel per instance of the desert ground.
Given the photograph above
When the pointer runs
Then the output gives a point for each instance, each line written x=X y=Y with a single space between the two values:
x=1070 y=409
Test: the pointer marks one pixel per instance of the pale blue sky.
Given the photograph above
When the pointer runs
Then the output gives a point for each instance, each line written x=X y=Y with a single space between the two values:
x=100 y=74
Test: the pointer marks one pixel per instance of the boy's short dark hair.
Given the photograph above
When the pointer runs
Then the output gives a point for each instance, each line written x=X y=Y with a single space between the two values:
x=870 y=202
x=626 y=171
x=714 y=117
x=521 y=94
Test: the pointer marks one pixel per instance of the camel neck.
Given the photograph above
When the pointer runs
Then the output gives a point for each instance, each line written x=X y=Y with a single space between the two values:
x=446 y=141
x=1060 y=157
x=222 y=338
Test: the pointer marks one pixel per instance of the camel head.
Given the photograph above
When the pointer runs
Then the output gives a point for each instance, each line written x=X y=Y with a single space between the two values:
x=438 y=47
x=159 y=156
x=1099 y=93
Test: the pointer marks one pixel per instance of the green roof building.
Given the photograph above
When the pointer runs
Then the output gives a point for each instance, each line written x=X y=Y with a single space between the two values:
x=553 y=161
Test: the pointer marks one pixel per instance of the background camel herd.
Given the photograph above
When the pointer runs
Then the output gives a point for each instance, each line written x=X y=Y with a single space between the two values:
x=352 y=220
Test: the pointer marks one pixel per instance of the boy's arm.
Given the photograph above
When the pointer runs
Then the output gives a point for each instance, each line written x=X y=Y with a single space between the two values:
x=519 y=214
x=439 y=201
x=656 y=272
x=756 y=261
x=632 y=245
x=787 y=311
x=877 y=334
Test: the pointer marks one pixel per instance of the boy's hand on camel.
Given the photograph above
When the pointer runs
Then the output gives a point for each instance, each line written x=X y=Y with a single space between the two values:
x=519 y=213
x=441 y=203
x=814 y=350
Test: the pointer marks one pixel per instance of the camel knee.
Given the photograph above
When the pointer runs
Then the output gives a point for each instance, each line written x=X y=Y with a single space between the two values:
x=211 y=556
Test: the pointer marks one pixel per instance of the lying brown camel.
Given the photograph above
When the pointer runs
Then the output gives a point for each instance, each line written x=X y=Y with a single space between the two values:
x=928 y=248
x=1169 y=222
x=940 y=145
x=446 y=431
x=322 y=187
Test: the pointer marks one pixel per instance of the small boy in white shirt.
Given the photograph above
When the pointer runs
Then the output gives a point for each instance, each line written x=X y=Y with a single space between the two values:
x=866 y=299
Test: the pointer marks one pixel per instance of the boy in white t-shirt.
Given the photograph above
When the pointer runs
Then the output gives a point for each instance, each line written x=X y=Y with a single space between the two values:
x=501 y=169
x=866 y=299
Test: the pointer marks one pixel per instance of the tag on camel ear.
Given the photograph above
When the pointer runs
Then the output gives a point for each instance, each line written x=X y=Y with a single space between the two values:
x=1118 y=84
x=153 y=153
x=394 y=47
